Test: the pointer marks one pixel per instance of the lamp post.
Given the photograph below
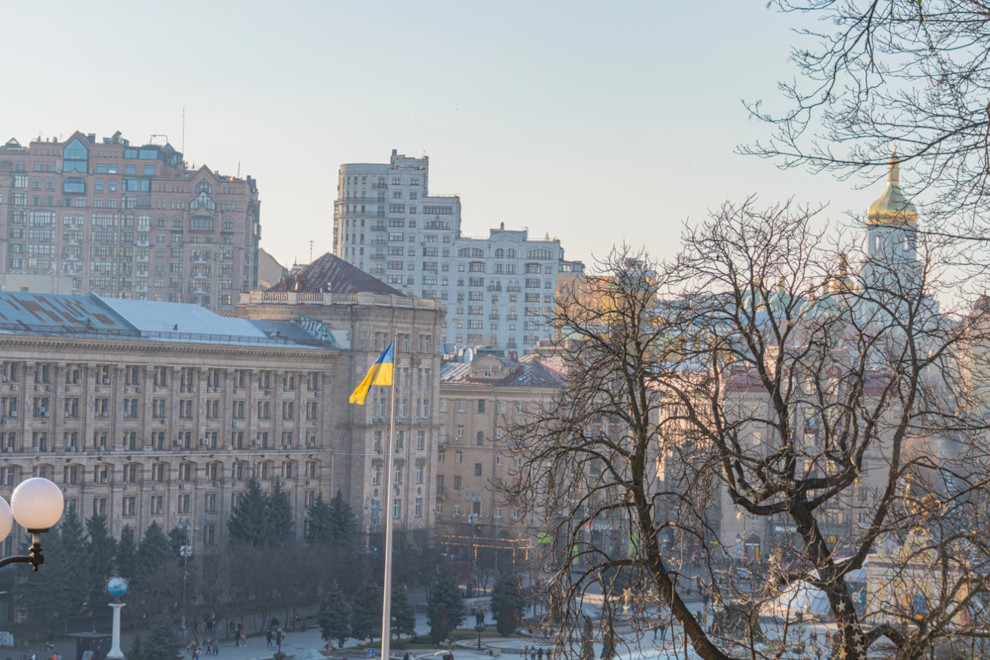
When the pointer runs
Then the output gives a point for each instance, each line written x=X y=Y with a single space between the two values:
x=185 y=551
x=36 y=505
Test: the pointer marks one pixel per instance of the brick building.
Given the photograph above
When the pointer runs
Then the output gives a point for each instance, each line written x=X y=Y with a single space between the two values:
x=127 y=221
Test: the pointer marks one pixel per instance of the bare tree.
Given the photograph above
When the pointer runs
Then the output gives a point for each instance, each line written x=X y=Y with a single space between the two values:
x=757 y=383
x=878 y=73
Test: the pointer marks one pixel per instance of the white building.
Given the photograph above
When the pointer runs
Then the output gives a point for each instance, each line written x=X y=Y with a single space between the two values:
x=497 y=291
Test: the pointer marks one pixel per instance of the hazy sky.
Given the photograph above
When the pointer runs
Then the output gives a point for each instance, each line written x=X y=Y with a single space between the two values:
x=592 y=122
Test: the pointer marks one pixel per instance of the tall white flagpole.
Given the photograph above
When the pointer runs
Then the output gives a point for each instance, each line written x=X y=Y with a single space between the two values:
x=389 y=503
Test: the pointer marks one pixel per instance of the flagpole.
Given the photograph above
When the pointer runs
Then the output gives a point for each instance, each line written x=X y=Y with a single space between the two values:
x=389 y=497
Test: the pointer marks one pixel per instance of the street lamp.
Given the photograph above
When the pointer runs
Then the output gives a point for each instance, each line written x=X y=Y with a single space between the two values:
x=374 y=506
x=185 y=551
x=36 y=505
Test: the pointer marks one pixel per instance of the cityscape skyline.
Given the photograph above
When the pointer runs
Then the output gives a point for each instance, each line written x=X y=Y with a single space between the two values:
x=525 y=113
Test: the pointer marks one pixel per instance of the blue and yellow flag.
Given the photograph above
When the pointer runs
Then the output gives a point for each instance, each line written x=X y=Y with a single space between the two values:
x=379 y=374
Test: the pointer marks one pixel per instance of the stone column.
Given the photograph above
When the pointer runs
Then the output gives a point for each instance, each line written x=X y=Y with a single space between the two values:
x=115 y=646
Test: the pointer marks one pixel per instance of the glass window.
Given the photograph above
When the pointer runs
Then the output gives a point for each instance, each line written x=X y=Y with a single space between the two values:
x=149 y=169
x=74 y=185
x=75 y=157
x=129 y=169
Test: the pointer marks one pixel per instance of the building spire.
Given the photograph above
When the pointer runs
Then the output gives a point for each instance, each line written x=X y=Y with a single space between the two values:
x=894 y=171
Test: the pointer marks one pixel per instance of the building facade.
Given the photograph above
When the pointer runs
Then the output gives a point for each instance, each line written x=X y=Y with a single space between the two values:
x=497 y=291
x=478 y=400
x=127 y=221
x=365 y=315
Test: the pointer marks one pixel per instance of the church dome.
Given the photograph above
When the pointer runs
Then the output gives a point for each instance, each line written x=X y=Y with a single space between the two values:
x=893 y=208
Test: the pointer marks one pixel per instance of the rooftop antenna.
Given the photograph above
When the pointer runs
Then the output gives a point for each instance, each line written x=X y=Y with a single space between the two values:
x=183 y=130
x=238 y=169
x=311 y=241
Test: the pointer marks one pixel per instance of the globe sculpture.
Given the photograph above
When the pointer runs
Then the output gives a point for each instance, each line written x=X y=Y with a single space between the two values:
x=117 y=586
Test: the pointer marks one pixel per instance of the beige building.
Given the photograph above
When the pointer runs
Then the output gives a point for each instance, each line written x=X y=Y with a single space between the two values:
x=361 y=315
x=477 y=400
x=161 y=412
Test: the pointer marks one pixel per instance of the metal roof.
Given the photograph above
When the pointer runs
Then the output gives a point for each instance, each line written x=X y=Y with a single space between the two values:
x=330 y=274
x=141 y=320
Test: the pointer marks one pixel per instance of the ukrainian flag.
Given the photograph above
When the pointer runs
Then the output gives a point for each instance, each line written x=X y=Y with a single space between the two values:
x=380 y=373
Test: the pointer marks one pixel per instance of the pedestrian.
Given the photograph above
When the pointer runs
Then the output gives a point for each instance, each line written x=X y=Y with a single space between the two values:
x=663 y=632
x=268 y=637
x=539 y=653
x=525 y=652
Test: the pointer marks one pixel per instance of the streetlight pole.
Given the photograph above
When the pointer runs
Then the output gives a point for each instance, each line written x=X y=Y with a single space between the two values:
x=185 y=551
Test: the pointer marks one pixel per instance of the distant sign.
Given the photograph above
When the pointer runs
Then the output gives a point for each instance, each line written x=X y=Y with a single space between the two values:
x=371 y=653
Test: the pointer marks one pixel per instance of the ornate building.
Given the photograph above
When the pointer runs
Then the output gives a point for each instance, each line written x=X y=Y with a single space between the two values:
x=478 y=399
x=126 y=221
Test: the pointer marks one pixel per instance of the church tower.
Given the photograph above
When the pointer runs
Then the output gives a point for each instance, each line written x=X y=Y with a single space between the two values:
x=891 y=230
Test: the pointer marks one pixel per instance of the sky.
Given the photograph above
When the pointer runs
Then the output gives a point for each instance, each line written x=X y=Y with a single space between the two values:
x=595 y=123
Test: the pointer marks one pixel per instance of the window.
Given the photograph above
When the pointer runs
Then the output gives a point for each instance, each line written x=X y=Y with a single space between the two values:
x=477 y=469
x=480 y=439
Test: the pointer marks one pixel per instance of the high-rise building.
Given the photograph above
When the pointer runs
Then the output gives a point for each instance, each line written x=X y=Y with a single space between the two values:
x=497 y=291
x=127 y=221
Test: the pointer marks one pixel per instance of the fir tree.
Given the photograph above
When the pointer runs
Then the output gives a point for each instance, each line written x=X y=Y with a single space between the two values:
x=508 y=603
x=335 y=616
x=343 y=522
x=403 y=614
x=445 y=610
x=126 y=553
x=135 y=651
x=366 y=611
x=248 y=519
x=163 y=643
x=60 y=589
x=318 y=522
x=278 y=527
x=153 y=551
x=101 y=549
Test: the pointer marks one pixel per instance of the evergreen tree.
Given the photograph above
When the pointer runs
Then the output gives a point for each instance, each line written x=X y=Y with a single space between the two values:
x=135 y=651
x=318 y=522
x=126 y=553
x=335 y=616
x=248 y=518
x=163 y=643
x=278 y=527
x=153 y=551
x=101 y=549
x=508 y=603
x=445 y=610
x=343 y=522
x=366 y=611
x=60 y=589
x=403 y=614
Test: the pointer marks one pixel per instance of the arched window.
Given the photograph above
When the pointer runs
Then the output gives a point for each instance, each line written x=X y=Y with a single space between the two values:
x=480 y=439
x=500 y=253
x=50 y=184
x=112 y=186
x=36 y=184
x=98 y=186
x=204 y=186
x=511 y=253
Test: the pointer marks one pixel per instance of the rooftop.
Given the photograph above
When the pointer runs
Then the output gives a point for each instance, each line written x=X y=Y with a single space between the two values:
x=330 y=274
x=96 y=317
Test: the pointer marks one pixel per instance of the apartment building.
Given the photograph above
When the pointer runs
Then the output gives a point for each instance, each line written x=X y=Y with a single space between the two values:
x=497 y=291
x=127 y=221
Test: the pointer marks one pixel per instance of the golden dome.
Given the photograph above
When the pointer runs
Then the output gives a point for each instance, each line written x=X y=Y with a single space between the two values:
x=893 y=208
